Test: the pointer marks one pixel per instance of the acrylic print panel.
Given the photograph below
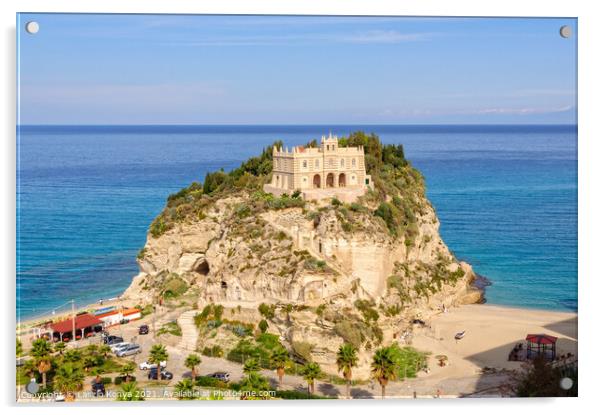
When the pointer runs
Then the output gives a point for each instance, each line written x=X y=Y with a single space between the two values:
x=280 y=207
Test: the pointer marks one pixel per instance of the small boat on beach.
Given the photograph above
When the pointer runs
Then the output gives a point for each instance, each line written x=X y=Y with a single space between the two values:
x=460 y=335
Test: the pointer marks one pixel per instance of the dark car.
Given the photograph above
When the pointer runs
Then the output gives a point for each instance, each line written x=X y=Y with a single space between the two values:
x=143 y=329
x=153 y=374
x=98 y=388
x=111 y=340
x=223 y=376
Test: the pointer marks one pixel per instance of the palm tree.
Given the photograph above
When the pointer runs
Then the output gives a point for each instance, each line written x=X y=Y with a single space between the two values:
x=127 y=370
x=346 y=360
x=185 y=389
x=157 y=355
x=72 y=356
x=383 y=367
x=251 y=366
x=40 y=350
x=92 y=349
x=60 y=347
x=30 y=367
x=130 y=392
x=19 y=348
x=104 y=350
x=191 y=362
x=310 y=373
x=68 y=379
x=279 y=358
x=89 y=362
x=254 y=382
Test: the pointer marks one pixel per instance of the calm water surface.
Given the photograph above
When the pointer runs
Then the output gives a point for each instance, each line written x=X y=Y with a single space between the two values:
x=506 y=197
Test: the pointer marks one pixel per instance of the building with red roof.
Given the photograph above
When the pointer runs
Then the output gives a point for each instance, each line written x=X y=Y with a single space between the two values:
x=85 y=326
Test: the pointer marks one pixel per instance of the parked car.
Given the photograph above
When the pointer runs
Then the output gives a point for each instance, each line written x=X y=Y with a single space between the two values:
x=111 y=340
x=119 y=346
x=146 y=365
x=223 y=376
x=98 y=388
x=129 y=350
x=154 y=373
x=143 y=329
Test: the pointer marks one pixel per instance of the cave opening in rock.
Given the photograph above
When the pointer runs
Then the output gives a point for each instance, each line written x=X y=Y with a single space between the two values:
x=224 y=285
x=202 y=268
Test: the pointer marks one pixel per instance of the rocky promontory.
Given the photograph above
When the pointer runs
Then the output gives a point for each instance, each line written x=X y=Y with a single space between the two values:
x=330 y=272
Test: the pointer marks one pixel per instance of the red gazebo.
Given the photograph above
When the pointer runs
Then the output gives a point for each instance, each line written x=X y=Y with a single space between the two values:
x=542 y=345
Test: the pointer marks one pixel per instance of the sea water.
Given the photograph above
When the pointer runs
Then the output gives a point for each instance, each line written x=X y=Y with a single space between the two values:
x=506 y=197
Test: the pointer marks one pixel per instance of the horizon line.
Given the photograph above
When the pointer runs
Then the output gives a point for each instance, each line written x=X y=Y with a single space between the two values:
x=292 y=124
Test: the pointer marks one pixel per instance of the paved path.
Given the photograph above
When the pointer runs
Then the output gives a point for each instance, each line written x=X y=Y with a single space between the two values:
x=190 y=333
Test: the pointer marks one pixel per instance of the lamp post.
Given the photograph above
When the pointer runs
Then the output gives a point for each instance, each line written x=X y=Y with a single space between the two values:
x=73 y=321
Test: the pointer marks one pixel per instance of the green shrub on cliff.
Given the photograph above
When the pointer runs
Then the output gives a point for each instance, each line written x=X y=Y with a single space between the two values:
x=398 y=190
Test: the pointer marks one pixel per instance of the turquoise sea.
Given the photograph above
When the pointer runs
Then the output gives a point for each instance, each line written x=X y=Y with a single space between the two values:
x=506 y=197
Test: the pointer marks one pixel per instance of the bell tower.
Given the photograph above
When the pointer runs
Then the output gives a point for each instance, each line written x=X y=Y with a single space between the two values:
x=329 y=144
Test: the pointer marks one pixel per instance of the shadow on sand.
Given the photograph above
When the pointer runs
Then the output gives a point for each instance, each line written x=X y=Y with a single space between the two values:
x=327 y=389
x=566 y=327
x=497 y=381
x=358 y=393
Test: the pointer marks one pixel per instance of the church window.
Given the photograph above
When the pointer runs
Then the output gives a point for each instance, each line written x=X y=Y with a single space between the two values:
x=353 y=162
x=304 y=164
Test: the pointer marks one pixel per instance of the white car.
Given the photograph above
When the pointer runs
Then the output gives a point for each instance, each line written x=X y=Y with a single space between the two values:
x=147 y=366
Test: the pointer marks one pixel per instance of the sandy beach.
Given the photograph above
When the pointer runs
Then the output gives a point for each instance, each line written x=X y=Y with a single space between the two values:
x=491 y=333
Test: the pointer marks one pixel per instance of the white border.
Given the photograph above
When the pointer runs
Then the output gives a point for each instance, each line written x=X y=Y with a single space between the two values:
x=590 y=174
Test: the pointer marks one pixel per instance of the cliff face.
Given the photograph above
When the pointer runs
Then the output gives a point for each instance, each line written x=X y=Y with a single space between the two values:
x=338 y=272
x=304 y=257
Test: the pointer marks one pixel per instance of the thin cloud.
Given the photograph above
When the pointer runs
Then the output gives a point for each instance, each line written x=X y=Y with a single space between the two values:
x=366 y=37
x=385 y=36
x=522 y=111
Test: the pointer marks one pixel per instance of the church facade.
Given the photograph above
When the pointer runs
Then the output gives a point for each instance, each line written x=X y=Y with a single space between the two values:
x=323 y=172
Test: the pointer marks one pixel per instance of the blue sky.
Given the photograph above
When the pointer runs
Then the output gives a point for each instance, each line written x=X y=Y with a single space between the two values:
x=169 y=69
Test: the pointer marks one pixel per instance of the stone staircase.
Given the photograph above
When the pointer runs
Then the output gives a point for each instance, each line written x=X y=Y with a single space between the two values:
x=190 y=334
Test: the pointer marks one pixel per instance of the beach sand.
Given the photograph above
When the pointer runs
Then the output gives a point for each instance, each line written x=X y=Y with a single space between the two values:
x=491 y=333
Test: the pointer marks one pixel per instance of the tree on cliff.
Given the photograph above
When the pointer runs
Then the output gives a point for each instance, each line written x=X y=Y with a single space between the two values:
x=268 y=311
x=346 y=360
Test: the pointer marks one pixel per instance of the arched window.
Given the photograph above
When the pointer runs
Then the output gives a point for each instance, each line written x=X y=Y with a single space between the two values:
x=353 y=162
x=304 y=164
